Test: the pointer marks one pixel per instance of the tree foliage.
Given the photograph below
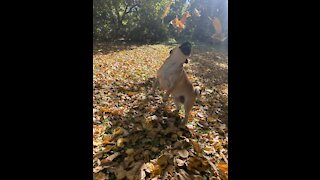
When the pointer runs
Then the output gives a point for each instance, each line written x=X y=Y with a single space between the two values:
x=148 y=20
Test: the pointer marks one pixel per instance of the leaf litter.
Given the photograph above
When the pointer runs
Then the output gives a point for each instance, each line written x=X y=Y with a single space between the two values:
x=136 y=135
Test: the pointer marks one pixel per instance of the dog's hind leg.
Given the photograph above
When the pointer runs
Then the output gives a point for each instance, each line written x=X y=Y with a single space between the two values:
x=177 y=102
x=155 y=85
x=188 y=104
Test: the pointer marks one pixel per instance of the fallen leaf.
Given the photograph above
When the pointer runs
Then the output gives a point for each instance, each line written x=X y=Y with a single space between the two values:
x=120 y=172
x=223 y=167
x=130 y=151
x=180 y=162
x=121 y=142
x=196 y=146
x=155 y=149
x=156 y=170
x=110 y=158
x=184 y=174
x=100 y=176
x=183 y=153
x=200 y=115
x=149 y=167
x=209 y=150
x=131 y=174
x=107 y=110
x=132 y=93
x=163 y=160
x=107 y=140
x=118 y=131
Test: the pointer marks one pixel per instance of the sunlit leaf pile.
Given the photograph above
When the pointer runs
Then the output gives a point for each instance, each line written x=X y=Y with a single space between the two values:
x=137 y=136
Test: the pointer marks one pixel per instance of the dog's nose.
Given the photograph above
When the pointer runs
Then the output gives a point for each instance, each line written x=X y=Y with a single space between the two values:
x=186 y=61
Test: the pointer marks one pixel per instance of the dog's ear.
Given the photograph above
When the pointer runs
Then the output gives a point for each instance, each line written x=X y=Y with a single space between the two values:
x=186 y=48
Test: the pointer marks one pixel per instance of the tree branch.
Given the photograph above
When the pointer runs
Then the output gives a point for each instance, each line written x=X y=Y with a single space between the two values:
x=129 y=11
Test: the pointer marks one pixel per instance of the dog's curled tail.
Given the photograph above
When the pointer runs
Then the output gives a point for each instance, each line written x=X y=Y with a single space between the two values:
x=197 y=91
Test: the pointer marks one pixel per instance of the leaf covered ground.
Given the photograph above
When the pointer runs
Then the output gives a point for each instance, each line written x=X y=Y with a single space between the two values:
x=136 y=136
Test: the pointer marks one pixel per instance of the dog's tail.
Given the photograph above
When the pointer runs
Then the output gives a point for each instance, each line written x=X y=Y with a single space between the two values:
x=197 y=91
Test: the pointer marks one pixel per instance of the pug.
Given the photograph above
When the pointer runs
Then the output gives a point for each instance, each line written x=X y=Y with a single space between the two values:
x=172 y=78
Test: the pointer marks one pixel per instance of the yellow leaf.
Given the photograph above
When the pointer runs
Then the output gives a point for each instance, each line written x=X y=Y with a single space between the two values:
x=149 y=167
x=209 y=150
x=130 y=93
x=118 y=131
x=121 y=142
x=107 y=110
x=112 y=111
x=156 y=170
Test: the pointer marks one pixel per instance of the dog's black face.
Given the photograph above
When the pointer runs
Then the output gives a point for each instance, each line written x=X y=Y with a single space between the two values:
x=186 y=48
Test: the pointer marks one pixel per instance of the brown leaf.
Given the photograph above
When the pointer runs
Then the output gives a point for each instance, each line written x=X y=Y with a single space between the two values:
x=131 y=174
x=196 y=177
x=196 y=146
x=106 y=149
x=163 y=160
x=107 y=140
x=101 y=176
x=109 y=159
x=184 y=174
x=155 y=149
x=130 y=151
x=211 y=164
x=120 y=172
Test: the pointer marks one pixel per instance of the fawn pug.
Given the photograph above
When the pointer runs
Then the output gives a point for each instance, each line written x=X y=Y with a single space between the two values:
x=172 y=78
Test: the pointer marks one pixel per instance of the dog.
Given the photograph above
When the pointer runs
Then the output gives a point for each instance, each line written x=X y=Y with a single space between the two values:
x=172 y=78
